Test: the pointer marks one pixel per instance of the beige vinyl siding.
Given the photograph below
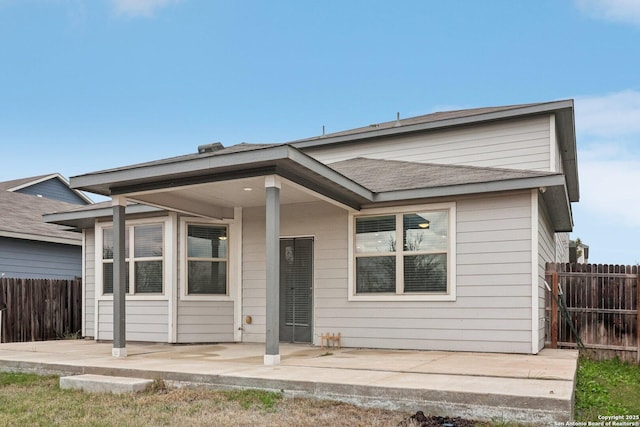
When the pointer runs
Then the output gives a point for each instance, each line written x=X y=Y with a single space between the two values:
x=558 y=157
x=201 y=321
x=89 y=282
x=493 y=307
x=562 y=247
x=253 y=273
x=146 y=320
x=518 y=144
x=205 y=321
x=546 y=253
x=327 y=224
x=494 y=271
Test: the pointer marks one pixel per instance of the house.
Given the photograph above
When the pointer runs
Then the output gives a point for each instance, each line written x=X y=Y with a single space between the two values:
x=30 y=247
x=578 y=252
x=429 y=232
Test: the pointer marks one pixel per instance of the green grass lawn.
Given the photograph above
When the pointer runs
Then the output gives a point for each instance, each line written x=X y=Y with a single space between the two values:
x=607 y=387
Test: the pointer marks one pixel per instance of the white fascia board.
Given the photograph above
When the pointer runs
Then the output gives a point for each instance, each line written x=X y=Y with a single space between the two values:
x=40 y=238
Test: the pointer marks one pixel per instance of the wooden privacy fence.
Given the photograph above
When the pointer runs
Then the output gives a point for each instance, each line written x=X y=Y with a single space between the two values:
x=39 y=309
x=594 y=307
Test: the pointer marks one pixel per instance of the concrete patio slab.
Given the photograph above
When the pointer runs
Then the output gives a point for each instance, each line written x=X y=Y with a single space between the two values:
x=484 y=386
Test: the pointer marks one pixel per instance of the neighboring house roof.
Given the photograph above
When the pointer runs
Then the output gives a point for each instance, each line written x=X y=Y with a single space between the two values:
x=19 y=184
x=21 y=218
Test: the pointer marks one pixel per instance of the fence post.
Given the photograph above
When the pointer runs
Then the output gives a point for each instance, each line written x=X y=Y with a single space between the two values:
x=638 y=314
x=554 y=310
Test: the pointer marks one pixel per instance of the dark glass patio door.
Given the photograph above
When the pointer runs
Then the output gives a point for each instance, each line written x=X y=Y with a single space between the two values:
x=296 y=289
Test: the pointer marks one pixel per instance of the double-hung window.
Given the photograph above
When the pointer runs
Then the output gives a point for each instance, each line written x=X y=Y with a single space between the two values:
x=404 y=253
x=207 y=266
x=143 y=264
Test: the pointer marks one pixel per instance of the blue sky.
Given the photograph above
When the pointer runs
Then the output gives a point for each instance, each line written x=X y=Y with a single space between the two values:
x=92 y=84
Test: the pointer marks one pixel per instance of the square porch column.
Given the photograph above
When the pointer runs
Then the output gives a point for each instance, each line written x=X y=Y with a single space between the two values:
x=119 y=265
x=272 y=251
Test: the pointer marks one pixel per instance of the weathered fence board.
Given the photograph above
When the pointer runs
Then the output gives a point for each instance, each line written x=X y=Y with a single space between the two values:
x=594 y=307
x=39 y=309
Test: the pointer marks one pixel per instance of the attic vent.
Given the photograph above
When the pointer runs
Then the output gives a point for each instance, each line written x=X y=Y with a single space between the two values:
x=210 y=148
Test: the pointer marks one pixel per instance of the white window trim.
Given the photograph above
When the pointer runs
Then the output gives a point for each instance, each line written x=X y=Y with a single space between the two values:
x=451 y=255
x=166 y=260
x=233 y=261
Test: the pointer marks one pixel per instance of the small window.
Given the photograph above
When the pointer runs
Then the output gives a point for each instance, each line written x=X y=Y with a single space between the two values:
x=207 y=248
x=418 y=265
x=146 y=265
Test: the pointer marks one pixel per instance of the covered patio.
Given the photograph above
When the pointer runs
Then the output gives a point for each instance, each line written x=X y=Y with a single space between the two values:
x=524 y=388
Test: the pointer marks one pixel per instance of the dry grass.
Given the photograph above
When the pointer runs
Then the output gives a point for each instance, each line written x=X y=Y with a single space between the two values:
x=27 y=400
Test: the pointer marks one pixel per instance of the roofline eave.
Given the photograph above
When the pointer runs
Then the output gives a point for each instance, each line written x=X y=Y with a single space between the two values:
x=565 y=128
x=283 y=159
x=552 y=187
x=74 y=218
x=471 y=188
x=549 y=107
x=41 y=238
x=98 y=182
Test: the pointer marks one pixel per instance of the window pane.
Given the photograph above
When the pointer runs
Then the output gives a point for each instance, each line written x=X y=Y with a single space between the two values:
x=148 y=240
x=148 y=277
x=207 y=277
x=376 y=234
x=425 y=273
x=426 y=231
x=107 y=243
x=376 y=274
x=107 y=277
x=206 y=241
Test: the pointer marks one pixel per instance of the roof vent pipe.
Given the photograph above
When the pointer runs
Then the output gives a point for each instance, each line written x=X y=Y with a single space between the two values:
x=210 y=148
x=397 y=119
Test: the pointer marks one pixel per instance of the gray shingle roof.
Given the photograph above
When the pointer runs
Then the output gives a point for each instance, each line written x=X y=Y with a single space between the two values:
x=393 y=175
x=426 y=118
x=244 y=146
x=22 y=213
x=5 y=185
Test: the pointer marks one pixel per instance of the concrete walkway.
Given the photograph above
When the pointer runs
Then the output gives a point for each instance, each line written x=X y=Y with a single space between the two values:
x=484 y=386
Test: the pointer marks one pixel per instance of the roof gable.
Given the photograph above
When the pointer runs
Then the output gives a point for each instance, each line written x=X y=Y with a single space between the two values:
x=52 y=186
